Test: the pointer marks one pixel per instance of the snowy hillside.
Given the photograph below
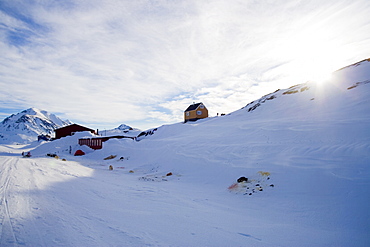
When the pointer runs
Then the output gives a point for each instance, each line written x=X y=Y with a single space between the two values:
x=305 y=151
x=25 y=126
x=327 y=93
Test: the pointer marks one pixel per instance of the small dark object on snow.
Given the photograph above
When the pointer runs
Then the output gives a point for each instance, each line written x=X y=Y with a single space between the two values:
x=26 y=154
x=43 y=138
x=242 y=179
x=268 y=178
x=122 y=158
x=111 y=168
x=169 y=174
x=271 y=185
x=257 y=184
x=250 y=194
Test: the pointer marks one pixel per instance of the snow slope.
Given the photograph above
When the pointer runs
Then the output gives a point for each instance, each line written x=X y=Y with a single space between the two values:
x=307 y=147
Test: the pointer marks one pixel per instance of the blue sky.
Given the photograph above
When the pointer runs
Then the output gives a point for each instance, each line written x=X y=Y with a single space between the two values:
x=103 y=63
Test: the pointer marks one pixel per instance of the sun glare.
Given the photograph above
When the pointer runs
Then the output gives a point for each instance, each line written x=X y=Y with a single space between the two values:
x=317 y=70
x=314 y=55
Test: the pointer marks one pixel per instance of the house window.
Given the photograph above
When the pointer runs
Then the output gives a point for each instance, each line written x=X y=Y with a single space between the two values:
x=201 y=106
x=187 y=114
x=199 y=113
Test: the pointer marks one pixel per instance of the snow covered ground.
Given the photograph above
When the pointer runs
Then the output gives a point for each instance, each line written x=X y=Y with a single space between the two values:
x=305 y=152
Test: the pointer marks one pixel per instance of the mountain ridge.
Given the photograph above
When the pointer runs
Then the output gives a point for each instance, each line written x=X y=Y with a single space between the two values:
x=25 y=126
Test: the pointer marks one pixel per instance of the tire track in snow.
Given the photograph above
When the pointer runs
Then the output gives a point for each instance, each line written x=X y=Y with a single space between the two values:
x=16 y=212
x=29 y=205
x=7 y=230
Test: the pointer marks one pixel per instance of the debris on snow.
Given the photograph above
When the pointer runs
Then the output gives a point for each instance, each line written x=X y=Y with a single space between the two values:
x=158 y=177
x=242 y=179
x=256 y=184
x=110 y=157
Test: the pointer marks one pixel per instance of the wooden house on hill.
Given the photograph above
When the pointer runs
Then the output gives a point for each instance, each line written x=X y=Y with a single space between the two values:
x=70 y=130
x=195 y=112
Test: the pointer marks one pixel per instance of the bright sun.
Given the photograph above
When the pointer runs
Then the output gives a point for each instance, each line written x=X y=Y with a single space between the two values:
x=314 y=55
x=318 y=70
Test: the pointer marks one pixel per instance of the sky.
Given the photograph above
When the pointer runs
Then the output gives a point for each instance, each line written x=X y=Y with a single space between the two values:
x=143 y=62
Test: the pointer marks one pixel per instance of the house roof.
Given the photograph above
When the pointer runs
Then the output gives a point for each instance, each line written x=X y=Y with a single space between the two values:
x=193 y=107
x=69 y=126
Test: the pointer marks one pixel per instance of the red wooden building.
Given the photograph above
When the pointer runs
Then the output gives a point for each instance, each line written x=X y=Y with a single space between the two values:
x=70 y=130
x=97 y=142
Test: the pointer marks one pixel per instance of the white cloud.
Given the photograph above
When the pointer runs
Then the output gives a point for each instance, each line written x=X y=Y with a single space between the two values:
x=132 y=61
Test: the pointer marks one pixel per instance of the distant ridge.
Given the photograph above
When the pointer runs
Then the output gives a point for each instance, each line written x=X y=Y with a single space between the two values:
x=123 y=129
x=355 y=64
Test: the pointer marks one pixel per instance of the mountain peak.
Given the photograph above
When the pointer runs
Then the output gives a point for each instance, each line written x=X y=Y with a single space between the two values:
x=37 y=112
x=31 y=111
x=124 y=127
x=26 y=125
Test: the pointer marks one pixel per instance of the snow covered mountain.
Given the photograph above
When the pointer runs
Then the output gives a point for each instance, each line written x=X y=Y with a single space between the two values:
x=123 y=129
x=24 y=127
